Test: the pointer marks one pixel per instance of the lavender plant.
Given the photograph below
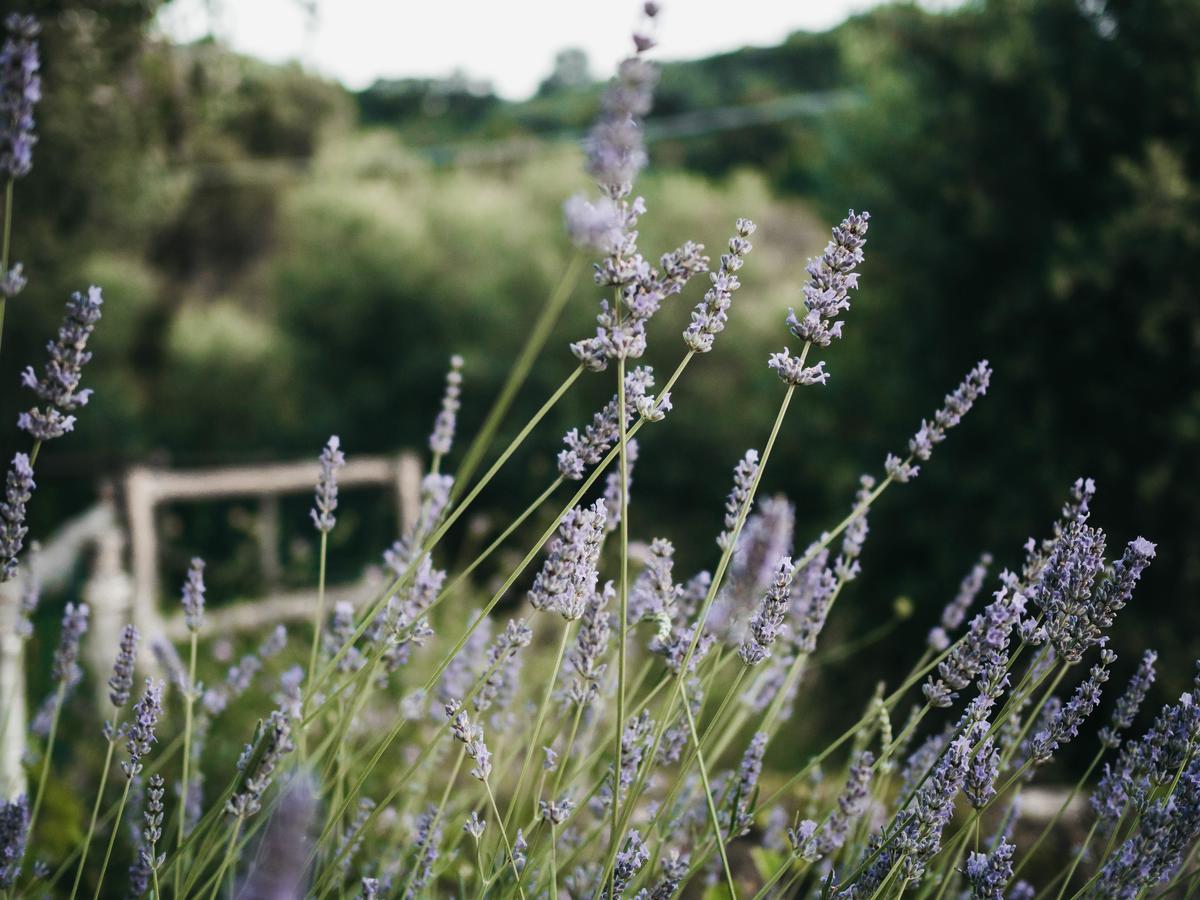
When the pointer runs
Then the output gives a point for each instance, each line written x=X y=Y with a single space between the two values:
x=657 y=707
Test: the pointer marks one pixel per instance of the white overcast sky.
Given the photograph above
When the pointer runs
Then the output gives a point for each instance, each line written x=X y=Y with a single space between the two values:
x=508 y=42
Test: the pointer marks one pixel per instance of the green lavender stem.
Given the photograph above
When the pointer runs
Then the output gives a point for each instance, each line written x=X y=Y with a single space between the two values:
x=91 y=829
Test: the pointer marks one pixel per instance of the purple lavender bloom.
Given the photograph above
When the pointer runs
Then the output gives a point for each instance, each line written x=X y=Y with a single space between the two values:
x=443 y=427
x=745 y=786
x=744 y=474
x=590 y=447
x=1154 y=851
x=472 y=736
x=767 y=622
x=474 y=825
x=18 y=489
x=826 y=295
x=850 y=806
x=20 y=91
x=615 y=147
x=59 y=387
x=1149 y=762
x=812 y=594
x=258 y=763
x=984 y=645
x=980 y=785
x=13 y=281
x=501 y=656
x=140 y=736
x=65 y=669
x=1065 y=726
x=712 y=312
x=120 y=685
x=654 y=595
x=956 y=610
x=556 y=811
x=568 y=578
x=147 y=859
x=957 y=404
x=193 y=596
x=989 y=873
x=331 y=460
x=595 y=226
x=1130 y=702
x=630 y=860
x=674 y=870
x=426 y=839
x=14 y=831
x=586 y=658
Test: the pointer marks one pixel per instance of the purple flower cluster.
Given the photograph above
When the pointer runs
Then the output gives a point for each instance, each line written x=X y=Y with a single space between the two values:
x=1065 y=726
x=586 y=658
x=65 y=669
x=58 y=387
x=20 y=91
x=14 y=831
x=1149 y=762
x=193 y=595
x=1130 y=702
x=957 y=404
x=642 y=290
x=502 y=661
x=590 y=447
x=18 y=489
x=956 y=609
x=712 y=312
x=745 y=785
x=767 y=622
x=982 y=647
x=851 y=804
x=140 y=736
x=442 y=437
x=258 y=763
x=630 y=860
x=989 y=873
x=471 y=736
x=832 y=277
x=120 y=685
x=567 y=580
x=744 y=475
x=1154 y=851
x=326 y=499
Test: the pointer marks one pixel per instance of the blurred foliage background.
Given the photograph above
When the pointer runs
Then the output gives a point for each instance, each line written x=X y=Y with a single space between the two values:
x=283 y=259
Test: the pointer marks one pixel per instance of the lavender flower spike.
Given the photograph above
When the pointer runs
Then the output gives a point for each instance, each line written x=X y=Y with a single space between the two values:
x=443 y=427
x=590 y=447
x=568 y=578
x=711 y=313
x=193 y=596
x=1130 y=702
x=14 y=830
x=18 y=488
x=472 y=736
x=744 y=474
x=59 y=387
x=74 y=625
x=826 y=295
x=140 y=736
x=20 y=90
x=258 y=763
x=989 y=873
x=120 y=685
x=767 y=622
x=956 y=609
x=331 y=460
x=957 y=404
